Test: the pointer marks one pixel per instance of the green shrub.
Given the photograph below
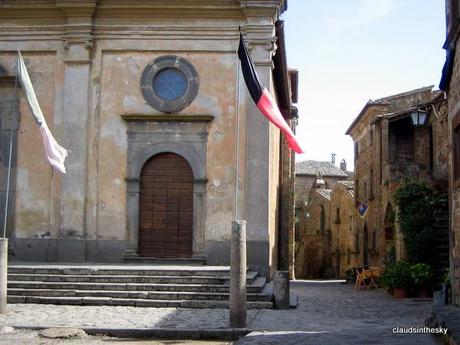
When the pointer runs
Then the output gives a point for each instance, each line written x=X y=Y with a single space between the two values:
x=421 y=274
x=397 y=275
x=418 y=206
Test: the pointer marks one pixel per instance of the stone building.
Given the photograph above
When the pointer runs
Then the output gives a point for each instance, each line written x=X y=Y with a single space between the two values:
x=307 y=172
x=389 y=148
x=312 y=240
x=450 y=83
x=345 y=237
x=313 y=184
x=145 y=95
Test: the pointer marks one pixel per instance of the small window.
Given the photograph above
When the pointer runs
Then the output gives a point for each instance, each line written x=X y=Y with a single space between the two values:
x=374 y=240
x=337 y=216
x=371 y=182
x=298 y=212
x=356 y=150
x=365 y=190
x=456 y=152
x=389 y=233
x=322 y=220
x=357 y=243
x=371 y=136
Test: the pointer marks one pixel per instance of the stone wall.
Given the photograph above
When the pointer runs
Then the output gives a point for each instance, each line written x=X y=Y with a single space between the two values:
x=312 y=242
x=344 y=254
x=454 y=111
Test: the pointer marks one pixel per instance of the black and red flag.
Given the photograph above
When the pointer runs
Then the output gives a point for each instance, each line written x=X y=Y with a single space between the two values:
x=263 y=99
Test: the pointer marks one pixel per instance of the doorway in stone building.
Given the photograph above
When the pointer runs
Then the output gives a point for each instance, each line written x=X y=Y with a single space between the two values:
x=166 y=207
x=365 y=246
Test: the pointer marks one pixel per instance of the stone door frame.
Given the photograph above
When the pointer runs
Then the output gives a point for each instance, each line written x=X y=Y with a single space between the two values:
x=192 y=146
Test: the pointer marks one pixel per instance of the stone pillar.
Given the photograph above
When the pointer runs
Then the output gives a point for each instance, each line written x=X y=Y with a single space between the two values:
x=238 y=307
x=199 y=216
x=281 y=289
x=132 y=219
x=3 y=273
x=259 y=33
x=74 y=120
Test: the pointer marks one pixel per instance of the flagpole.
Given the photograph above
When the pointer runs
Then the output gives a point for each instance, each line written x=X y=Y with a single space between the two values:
x=237 y=126
x=10 y=153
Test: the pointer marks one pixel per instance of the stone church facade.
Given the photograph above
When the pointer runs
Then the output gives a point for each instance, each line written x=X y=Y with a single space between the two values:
x=146 y=95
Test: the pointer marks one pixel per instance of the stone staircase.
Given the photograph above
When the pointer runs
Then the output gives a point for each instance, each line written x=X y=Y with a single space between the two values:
x=157 y=286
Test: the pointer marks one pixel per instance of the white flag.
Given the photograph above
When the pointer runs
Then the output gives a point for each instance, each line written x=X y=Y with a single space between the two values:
x=55 y=153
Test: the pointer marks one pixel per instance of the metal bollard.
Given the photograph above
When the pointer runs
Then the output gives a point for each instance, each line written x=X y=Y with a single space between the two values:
x=238 y=307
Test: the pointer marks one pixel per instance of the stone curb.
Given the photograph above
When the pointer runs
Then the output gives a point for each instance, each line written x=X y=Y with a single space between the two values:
x=160 y=333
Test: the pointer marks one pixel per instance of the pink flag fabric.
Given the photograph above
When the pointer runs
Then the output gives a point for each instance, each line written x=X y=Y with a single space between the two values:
x=55 y=153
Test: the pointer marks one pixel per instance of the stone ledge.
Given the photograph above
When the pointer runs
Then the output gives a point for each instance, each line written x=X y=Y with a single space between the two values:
x=168 y=118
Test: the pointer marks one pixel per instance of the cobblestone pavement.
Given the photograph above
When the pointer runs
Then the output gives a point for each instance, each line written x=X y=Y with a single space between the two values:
x=328 y=313
x=21 y=337
x=331 y=313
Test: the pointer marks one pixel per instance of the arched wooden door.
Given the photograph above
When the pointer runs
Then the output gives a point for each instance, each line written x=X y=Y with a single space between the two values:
x=166 y=207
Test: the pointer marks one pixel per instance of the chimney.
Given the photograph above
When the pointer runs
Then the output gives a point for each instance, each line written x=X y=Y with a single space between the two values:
x=343 y=165
x=333 y=158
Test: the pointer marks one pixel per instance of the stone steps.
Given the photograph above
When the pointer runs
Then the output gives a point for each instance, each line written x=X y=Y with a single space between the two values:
x=256 y=287
x=124 y=278
x=165 y=261
x=145 y=270
x=133 y=285
x=154 y=295
x=134 y=302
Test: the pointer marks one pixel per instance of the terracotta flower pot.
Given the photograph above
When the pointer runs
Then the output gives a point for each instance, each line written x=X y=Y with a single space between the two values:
x=424 y=291
x=400 y=292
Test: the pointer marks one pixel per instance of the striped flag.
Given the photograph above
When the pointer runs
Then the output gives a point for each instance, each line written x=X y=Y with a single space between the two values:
x=263 y=99
x=55 y=153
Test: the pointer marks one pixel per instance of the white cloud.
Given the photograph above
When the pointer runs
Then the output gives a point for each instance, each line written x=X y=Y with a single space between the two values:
x=366 y=12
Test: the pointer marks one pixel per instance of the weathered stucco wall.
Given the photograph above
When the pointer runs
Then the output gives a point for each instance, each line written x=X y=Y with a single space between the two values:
x=34 y=178
x=121 y=95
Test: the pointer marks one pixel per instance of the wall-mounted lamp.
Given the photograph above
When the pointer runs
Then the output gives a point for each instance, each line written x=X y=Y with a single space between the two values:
x=419 y=117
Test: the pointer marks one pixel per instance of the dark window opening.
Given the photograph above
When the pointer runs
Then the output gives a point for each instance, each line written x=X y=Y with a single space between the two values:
x=371 y=182
x=357 y=243
x=456 y=153
x=337 y=216
x=322 y=220
x=298 y=213
x=389 y=234
x=402 y=141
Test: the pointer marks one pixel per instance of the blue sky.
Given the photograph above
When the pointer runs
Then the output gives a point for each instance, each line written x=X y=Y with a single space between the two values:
x=350 y=51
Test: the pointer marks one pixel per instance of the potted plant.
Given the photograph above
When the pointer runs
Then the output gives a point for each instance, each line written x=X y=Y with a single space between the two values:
x=398 y=278
x=422 y=275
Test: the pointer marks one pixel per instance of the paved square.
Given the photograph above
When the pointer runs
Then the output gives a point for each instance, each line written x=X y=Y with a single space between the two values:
x=328 y=313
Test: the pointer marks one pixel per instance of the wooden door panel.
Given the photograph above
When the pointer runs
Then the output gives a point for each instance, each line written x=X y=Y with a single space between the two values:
x=166 y=207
